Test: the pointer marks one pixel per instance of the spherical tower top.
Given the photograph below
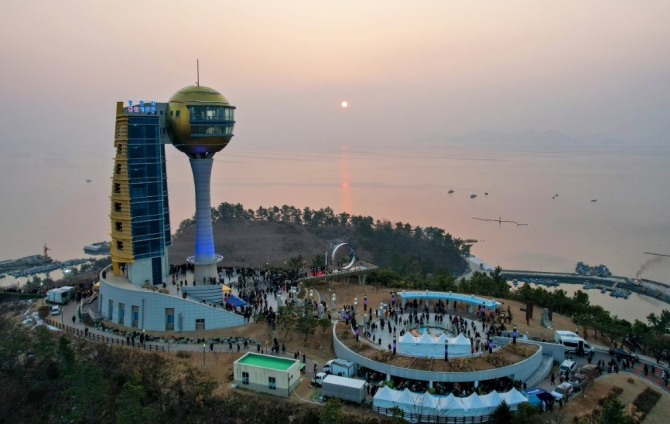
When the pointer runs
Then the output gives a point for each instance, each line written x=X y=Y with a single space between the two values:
x=199 y=121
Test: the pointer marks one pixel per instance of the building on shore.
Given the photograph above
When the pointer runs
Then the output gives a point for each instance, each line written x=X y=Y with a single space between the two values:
x=267 y=374
x=133 y=291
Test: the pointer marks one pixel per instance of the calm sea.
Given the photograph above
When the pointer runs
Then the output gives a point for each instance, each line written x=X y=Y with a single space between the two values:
x=592 y=205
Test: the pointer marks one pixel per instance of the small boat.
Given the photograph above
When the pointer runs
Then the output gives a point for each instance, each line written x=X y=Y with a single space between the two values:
x=594 y=200
x=451 y=191
x=588 y=286
x=515 y=283
x=99 y=248
x=603 y=290
x=486 y=193
x=472 y=196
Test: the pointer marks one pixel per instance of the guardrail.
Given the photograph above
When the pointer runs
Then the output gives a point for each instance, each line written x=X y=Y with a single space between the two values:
x=88 y=335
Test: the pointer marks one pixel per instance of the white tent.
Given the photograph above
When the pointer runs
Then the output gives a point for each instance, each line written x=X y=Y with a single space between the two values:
x=408 y=338
x=426 y=339
x=429 y=404
x=492 y=399
x=385 y=397
x=474 y=405
x=440 y=340
x=450 y=406
x=513 y=398
x=460 y=346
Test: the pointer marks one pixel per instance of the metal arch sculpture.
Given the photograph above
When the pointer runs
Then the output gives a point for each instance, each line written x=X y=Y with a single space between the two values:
x=351 y=251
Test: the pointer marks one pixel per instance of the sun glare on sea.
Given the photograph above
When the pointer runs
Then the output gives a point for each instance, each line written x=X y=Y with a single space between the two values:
x=344 y=104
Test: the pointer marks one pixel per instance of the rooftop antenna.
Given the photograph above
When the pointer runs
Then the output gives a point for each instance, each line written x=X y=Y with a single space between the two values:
x=197 y=67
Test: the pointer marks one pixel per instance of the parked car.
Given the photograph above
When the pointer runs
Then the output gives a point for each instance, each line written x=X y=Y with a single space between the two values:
x=621 y=353
x=578 y=382
x=567 y=367
x=562 y=391
x=55 y=310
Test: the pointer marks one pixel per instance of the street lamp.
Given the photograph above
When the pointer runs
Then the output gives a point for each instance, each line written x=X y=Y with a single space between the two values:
x=203 y=355
x=42 y=292
x=365 y=302
x=355 y=307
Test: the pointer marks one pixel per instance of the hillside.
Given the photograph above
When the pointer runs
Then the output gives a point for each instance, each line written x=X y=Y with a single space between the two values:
x=271 y=236
x=252 y=243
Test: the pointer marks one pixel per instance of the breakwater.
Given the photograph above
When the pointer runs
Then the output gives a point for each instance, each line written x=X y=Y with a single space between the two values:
x=654 y=289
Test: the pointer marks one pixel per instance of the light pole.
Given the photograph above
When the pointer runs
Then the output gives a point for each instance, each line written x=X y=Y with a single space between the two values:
x=42 y=292
x=355 y=307
x=203 y=355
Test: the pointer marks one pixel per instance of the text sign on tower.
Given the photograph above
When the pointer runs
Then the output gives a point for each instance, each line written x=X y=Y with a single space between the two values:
x=142 y=106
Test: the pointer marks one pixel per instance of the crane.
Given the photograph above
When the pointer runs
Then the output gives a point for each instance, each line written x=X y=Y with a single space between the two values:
x=46 y=249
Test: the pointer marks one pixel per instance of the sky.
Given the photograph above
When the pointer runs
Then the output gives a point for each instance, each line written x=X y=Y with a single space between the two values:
x=415 y=74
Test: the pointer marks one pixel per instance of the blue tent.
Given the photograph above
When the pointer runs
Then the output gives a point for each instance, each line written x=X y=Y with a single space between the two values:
x=235 y=301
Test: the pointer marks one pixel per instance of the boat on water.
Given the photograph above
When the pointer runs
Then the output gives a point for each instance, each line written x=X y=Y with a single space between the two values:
x=472 y=196
x=619 y=293
x=603 y=290
x=515 y=283
x=589 y=286
x=451 y=191
x=98 y=248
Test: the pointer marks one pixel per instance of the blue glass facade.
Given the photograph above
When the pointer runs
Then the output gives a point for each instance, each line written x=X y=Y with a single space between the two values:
x=147 y=178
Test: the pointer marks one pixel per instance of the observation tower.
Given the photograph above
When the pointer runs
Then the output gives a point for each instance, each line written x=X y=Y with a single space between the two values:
x=199 y=122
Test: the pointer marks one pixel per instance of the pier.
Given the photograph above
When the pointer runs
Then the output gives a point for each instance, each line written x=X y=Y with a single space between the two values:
x=646 y=287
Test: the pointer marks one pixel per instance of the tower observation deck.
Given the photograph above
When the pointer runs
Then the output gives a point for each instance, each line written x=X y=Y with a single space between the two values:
x=199 y=122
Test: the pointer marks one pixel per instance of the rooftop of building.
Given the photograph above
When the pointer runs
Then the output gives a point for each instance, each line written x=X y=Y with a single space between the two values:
x=266 y=361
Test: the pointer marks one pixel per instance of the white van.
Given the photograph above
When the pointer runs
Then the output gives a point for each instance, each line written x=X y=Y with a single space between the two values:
x=559 y=335
x=576 y=345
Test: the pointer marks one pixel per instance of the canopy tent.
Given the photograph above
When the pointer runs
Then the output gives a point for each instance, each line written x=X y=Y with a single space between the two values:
x=225 y=288
x=385 y=397
x=235 y=301
x=433 y=347
x=492 y=399
x=513 y=398
x=408 y=338
x=475 y=406
x=450 y=403
x=450 y=406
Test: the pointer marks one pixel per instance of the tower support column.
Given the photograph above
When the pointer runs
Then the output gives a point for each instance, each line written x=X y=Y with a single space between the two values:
x=205 y=260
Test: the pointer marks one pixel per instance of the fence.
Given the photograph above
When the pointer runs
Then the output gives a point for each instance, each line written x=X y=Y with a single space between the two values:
x=436 y=419
x=88 y=335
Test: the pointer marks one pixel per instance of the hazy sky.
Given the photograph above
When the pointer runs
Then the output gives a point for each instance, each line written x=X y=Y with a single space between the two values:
x=411 y=71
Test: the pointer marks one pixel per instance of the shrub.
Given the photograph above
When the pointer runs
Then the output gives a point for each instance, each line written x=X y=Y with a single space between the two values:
x=646 y=400
x=183 y=354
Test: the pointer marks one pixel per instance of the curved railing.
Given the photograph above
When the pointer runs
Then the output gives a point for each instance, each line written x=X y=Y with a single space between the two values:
x=519 y=371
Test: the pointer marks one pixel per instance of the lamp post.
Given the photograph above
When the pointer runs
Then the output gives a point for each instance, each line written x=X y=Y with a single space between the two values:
x=446 y=351
x=365 y=302
x=514 y=335
x=42 y=292
x=355 y=307
x=203 y=354
x=334 y=302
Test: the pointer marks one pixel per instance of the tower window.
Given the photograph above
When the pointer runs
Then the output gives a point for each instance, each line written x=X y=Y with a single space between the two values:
x=118 y=168
x=118 y=225
x=177 y=114
x=119 y=245
x=119 y=149
x=117 y=188
x=117 y=207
